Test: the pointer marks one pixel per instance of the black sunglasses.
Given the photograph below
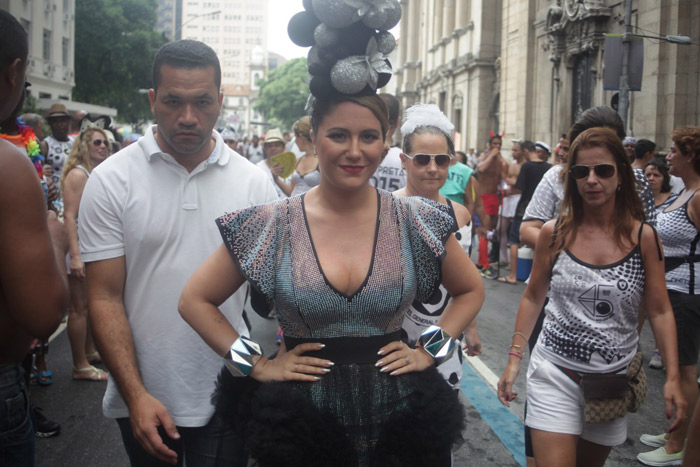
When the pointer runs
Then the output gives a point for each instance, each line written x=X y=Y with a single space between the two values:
x=601 y=171
x=422 y=160
x=98 y=142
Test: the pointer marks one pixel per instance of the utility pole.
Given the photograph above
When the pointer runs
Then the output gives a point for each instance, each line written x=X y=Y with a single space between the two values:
x=624 y=100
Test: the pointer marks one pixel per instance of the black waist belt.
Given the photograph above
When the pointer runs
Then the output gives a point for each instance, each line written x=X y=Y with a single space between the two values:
x=345 y=350
x=672 y=262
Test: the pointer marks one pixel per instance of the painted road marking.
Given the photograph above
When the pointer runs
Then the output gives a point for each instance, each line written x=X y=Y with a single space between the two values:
x=479 y=386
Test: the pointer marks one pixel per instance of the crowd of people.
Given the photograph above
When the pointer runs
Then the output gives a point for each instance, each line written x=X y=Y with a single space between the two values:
x=361 y=250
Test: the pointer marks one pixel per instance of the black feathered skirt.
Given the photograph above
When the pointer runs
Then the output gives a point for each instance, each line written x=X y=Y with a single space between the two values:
x=354 y=416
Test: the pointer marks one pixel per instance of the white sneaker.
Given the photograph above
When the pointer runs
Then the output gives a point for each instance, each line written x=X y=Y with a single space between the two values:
x=659 y=457
x=655 y=363
x=654 y=441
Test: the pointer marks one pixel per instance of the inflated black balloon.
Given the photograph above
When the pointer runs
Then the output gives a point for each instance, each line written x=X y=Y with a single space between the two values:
x=383 y=80
x=320 y=86
x=315 y=65
x=301 y=28
x=355 y=37
x=307 y=5
x=341 y=51
x=327 y=56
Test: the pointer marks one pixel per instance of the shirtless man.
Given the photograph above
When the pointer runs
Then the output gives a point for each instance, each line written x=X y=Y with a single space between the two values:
x=510 y=202
x=28 y=240
x=492 y=168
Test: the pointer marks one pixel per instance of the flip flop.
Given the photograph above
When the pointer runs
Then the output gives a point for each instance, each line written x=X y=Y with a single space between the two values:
x=45 y=378
x=506 y=281
x=89 y=373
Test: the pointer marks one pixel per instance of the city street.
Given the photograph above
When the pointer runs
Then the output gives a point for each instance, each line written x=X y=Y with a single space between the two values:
x=493 y=436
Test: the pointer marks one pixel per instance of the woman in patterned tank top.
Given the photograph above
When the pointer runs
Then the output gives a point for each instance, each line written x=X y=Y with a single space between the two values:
x=594 y=264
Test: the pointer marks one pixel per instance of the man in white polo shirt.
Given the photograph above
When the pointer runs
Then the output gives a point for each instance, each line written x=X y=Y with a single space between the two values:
x=146 y=223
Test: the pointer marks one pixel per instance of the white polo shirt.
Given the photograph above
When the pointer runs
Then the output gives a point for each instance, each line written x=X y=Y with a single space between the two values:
x=140 y=203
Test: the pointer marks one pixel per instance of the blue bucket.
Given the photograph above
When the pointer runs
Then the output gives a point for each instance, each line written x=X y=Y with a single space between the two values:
x=524 y=263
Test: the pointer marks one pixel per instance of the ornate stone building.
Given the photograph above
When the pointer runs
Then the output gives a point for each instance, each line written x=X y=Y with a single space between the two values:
x=530 y=67
x=552 y=65
x=448 y=55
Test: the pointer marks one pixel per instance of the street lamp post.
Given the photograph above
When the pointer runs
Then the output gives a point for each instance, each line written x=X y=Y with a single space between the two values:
x=178 y=36
x=624 y=98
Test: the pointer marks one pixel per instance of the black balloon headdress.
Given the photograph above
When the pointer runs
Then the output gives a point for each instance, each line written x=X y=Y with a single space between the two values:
x=349 y=42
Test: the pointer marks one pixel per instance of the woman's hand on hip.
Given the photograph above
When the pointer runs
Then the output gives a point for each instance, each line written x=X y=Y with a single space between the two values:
x=397 y=358
x=292 y=366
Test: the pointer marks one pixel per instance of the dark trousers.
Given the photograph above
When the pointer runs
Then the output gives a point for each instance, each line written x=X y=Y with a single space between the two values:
x=213 y=445
x=16 y=429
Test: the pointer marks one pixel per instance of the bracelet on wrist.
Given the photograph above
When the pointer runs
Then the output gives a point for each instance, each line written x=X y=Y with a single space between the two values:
x=516 y=354
x=439 y=344
x=239 y=358
x=517 y=333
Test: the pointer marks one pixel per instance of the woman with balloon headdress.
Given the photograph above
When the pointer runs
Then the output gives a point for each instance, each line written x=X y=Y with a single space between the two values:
x=341 y=264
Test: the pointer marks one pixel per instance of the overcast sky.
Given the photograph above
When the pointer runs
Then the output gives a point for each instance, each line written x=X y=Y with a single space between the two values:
x=278 y=41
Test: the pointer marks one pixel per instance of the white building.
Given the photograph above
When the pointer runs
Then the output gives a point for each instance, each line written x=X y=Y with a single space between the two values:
x=50 y=26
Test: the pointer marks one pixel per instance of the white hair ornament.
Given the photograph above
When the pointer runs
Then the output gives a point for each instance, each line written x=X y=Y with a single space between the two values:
x=420 y=115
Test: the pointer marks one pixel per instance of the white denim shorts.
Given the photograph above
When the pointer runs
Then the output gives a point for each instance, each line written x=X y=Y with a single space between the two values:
x=555 y=404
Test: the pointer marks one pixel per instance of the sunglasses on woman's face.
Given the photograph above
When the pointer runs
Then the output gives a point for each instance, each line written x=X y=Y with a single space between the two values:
x=98 y=142
x=601 y=171
x=422 y=160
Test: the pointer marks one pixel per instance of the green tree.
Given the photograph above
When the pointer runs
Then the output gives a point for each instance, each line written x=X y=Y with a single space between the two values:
x=115 y=45
x=283 y=94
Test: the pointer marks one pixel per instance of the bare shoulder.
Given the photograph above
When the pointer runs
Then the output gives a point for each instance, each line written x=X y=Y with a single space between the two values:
x=462 y=214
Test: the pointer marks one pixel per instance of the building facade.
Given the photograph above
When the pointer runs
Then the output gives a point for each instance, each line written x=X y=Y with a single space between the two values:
x=449 y=55
x=553 y=66
x=528 y=68
x=50 y=26
x=233 y=28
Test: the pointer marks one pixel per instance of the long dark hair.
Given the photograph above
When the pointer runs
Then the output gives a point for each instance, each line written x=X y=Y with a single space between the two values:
x=628 y=206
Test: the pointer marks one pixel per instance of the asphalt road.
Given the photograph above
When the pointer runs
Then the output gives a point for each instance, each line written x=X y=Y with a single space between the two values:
x=491 y=438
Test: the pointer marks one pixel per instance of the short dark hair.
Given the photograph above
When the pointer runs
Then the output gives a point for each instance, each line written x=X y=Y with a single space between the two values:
x=601 y=116
x=13 y=40
x=394 y=106
x=186 y=54
x=662 y=167
x=527 y=145
x=643 y=146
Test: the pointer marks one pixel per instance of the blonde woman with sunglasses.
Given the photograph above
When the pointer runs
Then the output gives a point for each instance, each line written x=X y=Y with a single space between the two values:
x=594 y=264
x=91 y=147
x=428 y=151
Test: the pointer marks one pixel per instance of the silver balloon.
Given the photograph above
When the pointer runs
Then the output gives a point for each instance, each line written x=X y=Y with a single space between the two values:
x=386 y=42
x=348 y=77
x=325 y=36
x=335 y=13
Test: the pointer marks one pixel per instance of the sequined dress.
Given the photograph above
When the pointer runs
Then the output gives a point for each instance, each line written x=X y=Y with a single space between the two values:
x=273 y=248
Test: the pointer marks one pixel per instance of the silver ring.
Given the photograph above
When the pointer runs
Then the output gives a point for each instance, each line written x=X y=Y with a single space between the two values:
x=408 y=362
x=295 y=367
